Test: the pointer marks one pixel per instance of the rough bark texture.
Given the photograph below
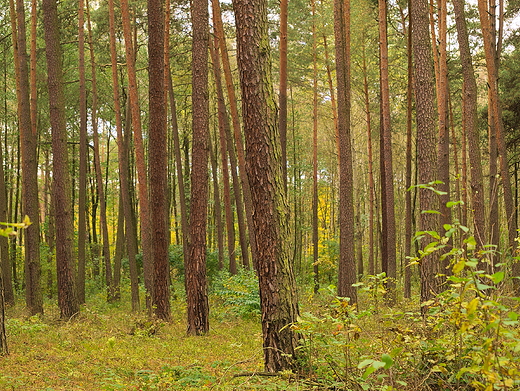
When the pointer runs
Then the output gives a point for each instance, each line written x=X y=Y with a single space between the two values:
x=282 y=118
x=28 y=143
x=389 y=262
x=82 y=192
x=469 y=119
x=67 y=299
x=196 y=286
x=426 y=138
x=158 y=160
x=263 y=157
x=347 y=259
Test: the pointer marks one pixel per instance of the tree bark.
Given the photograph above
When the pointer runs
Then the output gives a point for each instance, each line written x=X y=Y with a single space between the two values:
x=196 y=286
x=67 y=299
x=140 y=160
x=389 y=262
x=426 y=139
x=347 y=259
x=82 y=192
x=282 y=118
x=122 y=152
x=158 y=160
x=315 y=233
x=275 y=274
x=470 y=120
x=28 y=144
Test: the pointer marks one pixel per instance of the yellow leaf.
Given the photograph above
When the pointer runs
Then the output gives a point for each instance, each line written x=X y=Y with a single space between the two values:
x=457 y=268
x=472 y=306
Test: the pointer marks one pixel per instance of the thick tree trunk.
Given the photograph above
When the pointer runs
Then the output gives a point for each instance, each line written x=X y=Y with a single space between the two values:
x=282 y=117
x=67 y=299
x=276 y=278
x=28 y=144
x=196 y=286
x=158 y=161
x=426 y=139
x=347 y=259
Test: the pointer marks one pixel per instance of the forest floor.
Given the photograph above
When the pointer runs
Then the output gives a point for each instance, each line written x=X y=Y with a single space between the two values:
x=466 y=342
x=106 y=347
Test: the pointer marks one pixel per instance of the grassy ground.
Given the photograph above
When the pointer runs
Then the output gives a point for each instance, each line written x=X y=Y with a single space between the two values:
x=108 y=348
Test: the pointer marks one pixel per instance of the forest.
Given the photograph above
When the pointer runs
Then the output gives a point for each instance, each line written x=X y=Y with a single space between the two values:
x=259 y=195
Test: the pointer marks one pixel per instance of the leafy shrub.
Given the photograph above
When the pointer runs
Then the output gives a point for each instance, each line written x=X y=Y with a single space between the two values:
x=237 y=295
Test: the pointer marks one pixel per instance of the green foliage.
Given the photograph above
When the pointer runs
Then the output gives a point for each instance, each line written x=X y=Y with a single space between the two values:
x=237 y=295
x=177 y=262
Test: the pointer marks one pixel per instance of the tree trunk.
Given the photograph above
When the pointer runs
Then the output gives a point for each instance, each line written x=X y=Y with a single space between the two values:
x=28 y=144
x=389 y=263
x=347 y=259
x=275 y=274
x=470 y=120
x=122 y=152
x=67 y=299
x=219 y=28
x=224 y=130
x=218 y=207
x=109 y=277
x=491 y=65
x=158 y=161
x=315 y=233
x=140 y=160
x=82 y=192
x=196 y=288
x=426 y=139
x=4 y=349
x=282 y=118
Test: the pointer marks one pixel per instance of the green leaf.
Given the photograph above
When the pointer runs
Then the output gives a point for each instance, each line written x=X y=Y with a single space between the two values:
x=497 y=277
x=471 y=242
x=387 y=360
x=512 y=315
x=451 y=204
x=365 y=363
x=435 y=212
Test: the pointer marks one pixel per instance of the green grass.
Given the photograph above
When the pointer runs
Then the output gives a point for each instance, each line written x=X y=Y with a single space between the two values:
x=106 y=347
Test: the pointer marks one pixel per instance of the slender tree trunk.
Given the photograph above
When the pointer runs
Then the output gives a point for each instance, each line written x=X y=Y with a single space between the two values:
x=389 y=263
x=469 y=119
x=331 y=88
x=4 y=349
x=426 y=139
x=347 y=259
x=218 y=206
x=443 y=146
x=491 y=65
x=275 y=273
x=82 y=193
x=282 y=118
x=233 y=107
x=67 y=298
x=28 y=144
x=196 y=288
x=224 y=130
x=140 y=160
x=315 y=236
x=123 y=159
x=371 y=185
x=109 y=278
x=408 y=196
